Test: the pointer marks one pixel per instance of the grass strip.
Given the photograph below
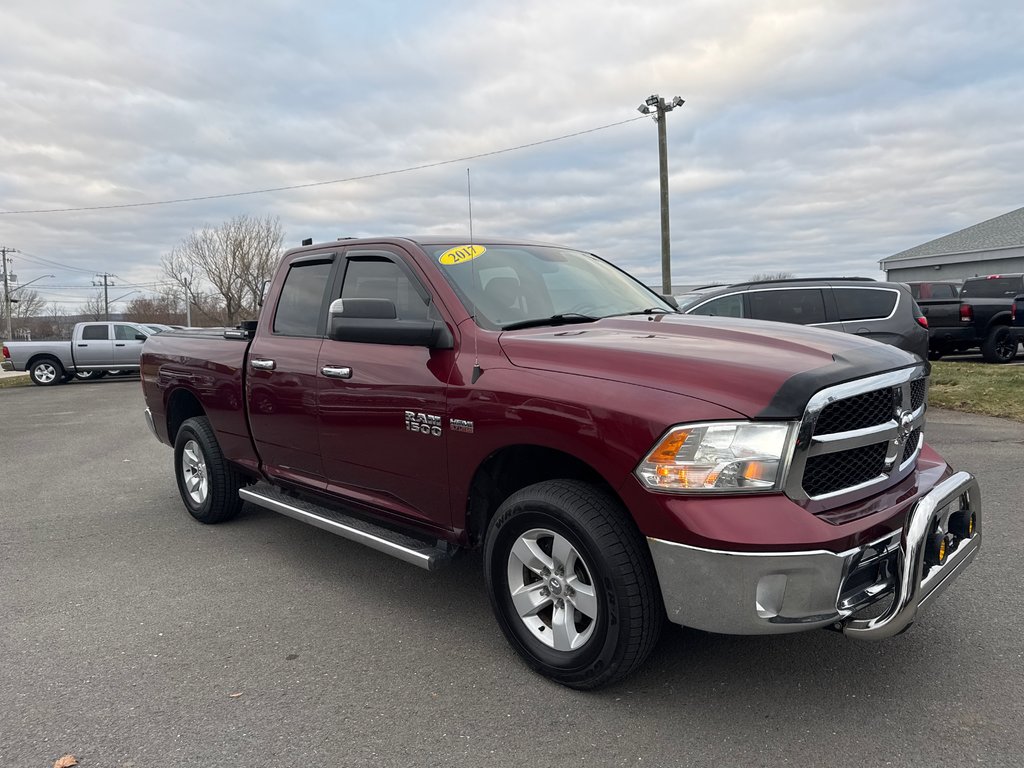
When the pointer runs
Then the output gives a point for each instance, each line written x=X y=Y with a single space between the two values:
x=991 y=390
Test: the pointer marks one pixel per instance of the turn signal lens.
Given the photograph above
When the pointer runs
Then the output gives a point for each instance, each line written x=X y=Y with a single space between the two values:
x=721 y=456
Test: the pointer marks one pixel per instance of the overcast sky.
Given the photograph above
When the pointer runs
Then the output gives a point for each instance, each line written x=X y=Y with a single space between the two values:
x=817 y=137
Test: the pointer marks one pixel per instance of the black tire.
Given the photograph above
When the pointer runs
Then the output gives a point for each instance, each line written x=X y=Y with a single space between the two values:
x=612 y=572
x=89 y=375
x=207 y=483
x=46 y=371
x=1000 y=346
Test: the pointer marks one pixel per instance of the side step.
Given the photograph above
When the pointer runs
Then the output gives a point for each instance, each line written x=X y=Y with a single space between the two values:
x=406 y=548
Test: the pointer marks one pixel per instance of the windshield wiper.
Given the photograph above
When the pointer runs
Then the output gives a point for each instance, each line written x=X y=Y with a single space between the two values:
x=649 y=311
x=564 y=319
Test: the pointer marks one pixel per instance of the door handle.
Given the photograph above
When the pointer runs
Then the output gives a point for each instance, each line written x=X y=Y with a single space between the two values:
x=119 y=345
x=83 y=345
x=263 y=365
x=337 y=371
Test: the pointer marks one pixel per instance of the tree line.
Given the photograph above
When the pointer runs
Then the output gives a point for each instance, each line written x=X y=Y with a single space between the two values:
x=213 y=277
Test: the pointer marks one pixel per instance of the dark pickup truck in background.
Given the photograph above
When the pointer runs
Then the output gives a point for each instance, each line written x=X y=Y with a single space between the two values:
x=616 y=462
x=980 y=317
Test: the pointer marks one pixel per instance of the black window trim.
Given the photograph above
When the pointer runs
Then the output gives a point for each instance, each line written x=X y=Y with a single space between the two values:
x=331 y=258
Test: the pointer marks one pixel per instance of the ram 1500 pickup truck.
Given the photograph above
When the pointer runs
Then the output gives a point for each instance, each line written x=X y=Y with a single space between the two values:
x=95 y=349
x=617 y=463
x=980 y=317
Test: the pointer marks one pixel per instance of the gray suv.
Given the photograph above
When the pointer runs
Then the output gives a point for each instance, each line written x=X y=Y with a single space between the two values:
x=882 y=311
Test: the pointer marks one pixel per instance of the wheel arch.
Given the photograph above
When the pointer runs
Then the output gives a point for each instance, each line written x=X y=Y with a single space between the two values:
x=181 y=405
x=1000 y=318
x=514 y=467
x=38 y=356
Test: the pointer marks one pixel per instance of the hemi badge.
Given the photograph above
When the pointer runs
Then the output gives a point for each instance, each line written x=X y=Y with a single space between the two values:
x=461 y=425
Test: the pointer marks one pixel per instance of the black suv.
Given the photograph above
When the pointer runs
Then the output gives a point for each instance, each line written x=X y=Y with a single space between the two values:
x=881 y=311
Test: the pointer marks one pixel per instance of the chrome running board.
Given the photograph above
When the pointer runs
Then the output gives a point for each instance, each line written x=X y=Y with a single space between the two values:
x=409 y=549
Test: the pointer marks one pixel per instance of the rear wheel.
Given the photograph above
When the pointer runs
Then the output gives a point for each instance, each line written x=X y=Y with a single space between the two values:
x=46 y=372
x=207 y=483
x=89 y=375
x=572 y=584
x=1000 y=346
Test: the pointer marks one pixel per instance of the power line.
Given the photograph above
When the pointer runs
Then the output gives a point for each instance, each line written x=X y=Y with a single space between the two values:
x=307 y=185
x=52 y=263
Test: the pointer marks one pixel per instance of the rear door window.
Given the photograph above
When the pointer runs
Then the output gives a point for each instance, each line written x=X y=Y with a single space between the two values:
x=300 y=309
x=865 y=303
x=803 y=306
x=96 y=332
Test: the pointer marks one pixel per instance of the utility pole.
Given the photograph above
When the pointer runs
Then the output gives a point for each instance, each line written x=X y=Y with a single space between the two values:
x=106 y=284
x=656 y=104
x=188 y=302
x=5 y=262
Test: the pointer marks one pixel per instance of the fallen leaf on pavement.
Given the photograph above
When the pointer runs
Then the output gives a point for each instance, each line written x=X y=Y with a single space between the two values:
x=66 y=762
x=234 y=695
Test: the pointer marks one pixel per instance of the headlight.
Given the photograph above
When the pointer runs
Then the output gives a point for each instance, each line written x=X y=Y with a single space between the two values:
x=721 y=456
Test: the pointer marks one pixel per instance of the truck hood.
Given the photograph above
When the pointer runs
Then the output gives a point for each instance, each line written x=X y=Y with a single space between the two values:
x=758 y=369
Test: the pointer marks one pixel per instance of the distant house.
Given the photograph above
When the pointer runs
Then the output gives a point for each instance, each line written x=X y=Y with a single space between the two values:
x=992 y=247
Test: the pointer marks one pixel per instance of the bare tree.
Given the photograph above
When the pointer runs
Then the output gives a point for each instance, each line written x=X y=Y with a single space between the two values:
x=233 y=260
x=26 y=304
x=165 y=309
x=94 y=308
x=770 y=276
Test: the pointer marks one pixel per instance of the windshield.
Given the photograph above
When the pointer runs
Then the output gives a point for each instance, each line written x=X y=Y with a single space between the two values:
x=516 y=284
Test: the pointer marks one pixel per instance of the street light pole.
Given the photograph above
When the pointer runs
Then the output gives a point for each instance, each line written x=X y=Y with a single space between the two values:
x=656 y=104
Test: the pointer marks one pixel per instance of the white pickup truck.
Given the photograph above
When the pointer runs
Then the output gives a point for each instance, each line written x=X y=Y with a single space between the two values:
x=95 y=349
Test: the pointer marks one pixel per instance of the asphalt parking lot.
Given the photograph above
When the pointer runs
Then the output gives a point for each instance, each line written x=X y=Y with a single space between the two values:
x=131 y=635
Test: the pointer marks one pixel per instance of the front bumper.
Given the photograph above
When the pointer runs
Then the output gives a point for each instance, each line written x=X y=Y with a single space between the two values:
x=753 y=593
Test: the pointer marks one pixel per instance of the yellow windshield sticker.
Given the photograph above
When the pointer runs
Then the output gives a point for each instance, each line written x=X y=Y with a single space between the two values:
x=461 y=254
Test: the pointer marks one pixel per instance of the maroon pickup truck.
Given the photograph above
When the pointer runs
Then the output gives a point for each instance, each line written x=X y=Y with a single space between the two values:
x=616 y=462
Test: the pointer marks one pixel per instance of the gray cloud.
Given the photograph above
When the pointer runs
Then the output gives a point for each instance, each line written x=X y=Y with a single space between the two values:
x=816 y=137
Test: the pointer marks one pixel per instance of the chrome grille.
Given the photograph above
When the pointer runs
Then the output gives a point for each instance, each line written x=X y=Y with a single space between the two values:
x=859 y=436
x=857 y=412
x=918 y=393
x=912 y=446
x=832 y=472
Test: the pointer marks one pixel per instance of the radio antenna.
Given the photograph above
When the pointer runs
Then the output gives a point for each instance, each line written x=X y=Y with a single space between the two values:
x=477 y=370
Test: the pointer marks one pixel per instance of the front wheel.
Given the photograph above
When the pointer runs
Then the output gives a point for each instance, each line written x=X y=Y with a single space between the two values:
x=1000 y=346
x=572 y=584
x=46 y=372
x=208 y=484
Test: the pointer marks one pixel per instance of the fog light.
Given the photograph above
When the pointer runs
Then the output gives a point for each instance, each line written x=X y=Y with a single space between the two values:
x=961 y=524
x=936 y=548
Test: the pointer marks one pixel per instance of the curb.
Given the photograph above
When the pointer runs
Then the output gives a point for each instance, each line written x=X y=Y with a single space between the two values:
x=14 y=379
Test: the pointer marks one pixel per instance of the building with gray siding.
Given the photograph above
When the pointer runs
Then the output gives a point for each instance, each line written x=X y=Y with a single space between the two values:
x=992 y=247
